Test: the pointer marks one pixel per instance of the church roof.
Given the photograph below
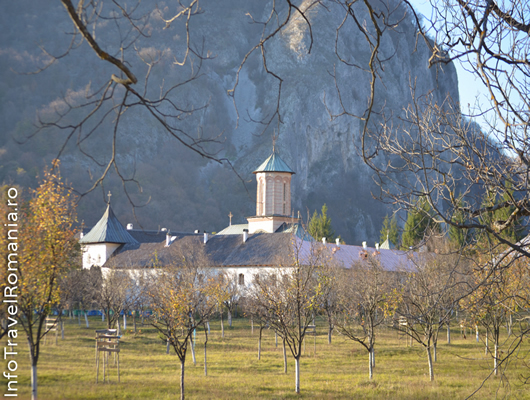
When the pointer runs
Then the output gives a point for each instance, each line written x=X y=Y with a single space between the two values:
x=108 y=230
x=295 y=228
x=274 y=164
x=387 y=245
x=236 y=229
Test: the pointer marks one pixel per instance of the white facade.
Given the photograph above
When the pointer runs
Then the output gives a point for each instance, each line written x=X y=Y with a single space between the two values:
x=97 y=254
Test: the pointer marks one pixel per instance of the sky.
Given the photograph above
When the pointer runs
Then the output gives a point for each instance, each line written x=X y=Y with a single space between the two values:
x=469 y=86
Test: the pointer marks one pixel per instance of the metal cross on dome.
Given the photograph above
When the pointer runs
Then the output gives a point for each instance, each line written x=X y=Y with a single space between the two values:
x=109 y=195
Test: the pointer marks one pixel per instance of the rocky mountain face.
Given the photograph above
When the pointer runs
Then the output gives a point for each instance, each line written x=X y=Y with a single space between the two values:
x=184 y=191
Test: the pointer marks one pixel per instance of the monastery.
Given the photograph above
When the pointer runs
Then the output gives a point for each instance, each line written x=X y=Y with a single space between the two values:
x=244 y=250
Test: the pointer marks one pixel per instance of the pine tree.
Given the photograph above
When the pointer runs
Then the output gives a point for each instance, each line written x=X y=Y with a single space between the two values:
x=457 y=236
x=419 y=223
x=320 y=226
x=390 y=231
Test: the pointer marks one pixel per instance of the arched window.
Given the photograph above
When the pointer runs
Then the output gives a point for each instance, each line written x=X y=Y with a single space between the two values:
x=241 y=279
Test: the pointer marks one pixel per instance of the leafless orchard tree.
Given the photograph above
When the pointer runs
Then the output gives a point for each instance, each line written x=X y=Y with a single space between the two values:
x=362 y=291
x=184 y=296
x=328 y=277
x=114 y=295
x=428 y=293
x=289 y=297
x=233 y=293
x=256 y=310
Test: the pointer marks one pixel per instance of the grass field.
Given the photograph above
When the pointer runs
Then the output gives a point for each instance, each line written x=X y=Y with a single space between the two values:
x=336 y=371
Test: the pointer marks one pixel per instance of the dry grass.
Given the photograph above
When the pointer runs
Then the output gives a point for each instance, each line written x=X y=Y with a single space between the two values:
x=337 y=371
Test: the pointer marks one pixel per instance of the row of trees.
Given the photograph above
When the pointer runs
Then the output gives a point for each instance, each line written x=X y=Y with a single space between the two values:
x=418 y=299
x=421 y=224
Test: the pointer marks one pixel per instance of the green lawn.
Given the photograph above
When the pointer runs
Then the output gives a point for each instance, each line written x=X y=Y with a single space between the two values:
x=337 y=371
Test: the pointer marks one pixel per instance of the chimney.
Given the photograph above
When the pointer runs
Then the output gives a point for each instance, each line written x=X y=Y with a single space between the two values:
x=324 y=241
x=337 y=241
x=129 y=227
x=245 y=235
x=205 y=237
x=377 y=246
x=364 y=245
x=168 y=239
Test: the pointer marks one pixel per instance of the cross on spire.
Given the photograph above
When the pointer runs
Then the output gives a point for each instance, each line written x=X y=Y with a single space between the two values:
x=109 y=195
x=230 y=216
x=274 y=137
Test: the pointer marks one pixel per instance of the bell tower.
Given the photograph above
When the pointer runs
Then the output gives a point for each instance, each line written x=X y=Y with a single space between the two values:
x=273 y=197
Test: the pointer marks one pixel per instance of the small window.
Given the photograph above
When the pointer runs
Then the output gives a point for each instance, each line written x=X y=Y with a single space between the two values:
x=241 y=279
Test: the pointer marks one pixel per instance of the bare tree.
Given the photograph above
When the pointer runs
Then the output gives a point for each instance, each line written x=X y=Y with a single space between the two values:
x=363 y=289
x=289 y=296
x=328 y=278
x=233 y=293
x=183 y=296
x=114 y=295
x=424 y=299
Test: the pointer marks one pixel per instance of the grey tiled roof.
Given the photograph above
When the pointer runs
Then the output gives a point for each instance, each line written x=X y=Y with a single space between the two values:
x=274 y=164
x=260 y=249
x=108 y=230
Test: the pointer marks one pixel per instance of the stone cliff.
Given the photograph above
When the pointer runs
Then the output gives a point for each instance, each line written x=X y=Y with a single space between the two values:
x=187 y=192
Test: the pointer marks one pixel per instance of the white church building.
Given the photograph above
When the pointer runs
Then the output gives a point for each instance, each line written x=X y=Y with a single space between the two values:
x=244 y=250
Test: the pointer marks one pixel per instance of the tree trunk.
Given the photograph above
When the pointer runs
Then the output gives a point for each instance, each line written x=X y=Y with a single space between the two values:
x=276 y=338
x=222 y=326
x=370 y=365
x=62 y=329
x=476 y=333
x=124 y=322
x=229 y=318
x=259 y=343
x=431 y=370
x=134 y=321
x=329 y=333
x=435 y=352
x=192 y=345
x=33 y=381
x=297 y=374
x=486 y=349
x=205 y=362
x=373 y=357
x=284 y=358
x=182 y=379
x=496 y=359
x=448 y=333
x=251 y=326
x=510 y=322
x=86 y=320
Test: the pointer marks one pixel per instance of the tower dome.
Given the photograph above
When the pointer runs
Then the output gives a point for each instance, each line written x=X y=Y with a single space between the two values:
x=273 y=197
